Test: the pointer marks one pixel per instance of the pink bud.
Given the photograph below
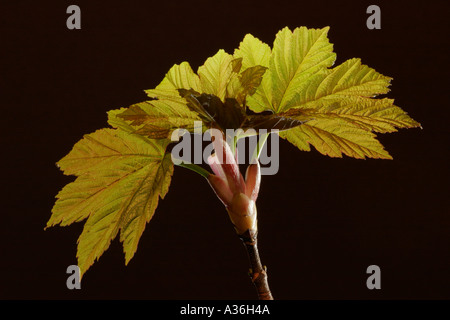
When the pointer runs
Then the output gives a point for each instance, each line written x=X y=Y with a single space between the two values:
x=221 y=189
x=253 y=180
x=242 y=213
x=216 y=167
x=238 y=195
x=227 y=162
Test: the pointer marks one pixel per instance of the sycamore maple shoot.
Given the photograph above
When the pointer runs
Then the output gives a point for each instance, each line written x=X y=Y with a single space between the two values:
x=124 y=170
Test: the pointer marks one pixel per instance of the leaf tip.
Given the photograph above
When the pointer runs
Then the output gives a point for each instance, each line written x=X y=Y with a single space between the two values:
x=49 y=224
x=386 y=156
x=128 y=257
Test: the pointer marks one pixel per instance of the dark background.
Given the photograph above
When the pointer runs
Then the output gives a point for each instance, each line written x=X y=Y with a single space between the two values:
x=322 y=221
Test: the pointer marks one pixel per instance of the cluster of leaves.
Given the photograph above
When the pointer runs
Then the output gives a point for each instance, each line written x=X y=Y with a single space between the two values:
x=123 y=171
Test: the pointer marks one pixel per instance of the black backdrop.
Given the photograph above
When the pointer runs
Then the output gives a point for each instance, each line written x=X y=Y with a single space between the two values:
x=322 y=221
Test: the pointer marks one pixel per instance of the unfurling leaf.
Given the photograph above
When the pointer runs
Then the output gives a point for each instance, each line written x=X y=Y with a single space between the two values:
x=222 y=115
x=230 y=115
x=245 y=84
x=120 y=177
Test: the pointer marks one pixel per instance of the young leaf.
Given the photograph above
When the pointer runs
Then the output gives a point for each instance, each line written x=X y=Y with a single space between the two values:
x=336 y=137
x=179 y=77
x=378 y=115
x=337 y=103
x=217 y=96
x=121 y=176
x=230 y=115
x=334 y=87
x=249 y=80
x=116 y=122
x=222 y=115
x=157 y=119
x=215 y=74
x=255 y=53
x=340 y=100
x=295 y=57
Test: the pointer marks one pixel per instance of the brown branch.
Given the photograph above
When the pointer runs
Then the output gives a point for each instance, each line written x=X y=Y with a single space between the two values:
x=258 y=273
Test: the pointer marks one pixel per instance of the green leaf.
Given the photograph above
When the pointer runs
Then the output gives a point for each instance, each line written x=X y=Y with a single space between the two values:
x=250 y=79
x=116 y=122
x=336 y=106
x=157 y=119
x=335 y=86
x=179 y=77
x=217 y=96
x=121 y=176
x=295 y=57
x=255 y=53
x=215 y=74
x=336 y=137
x=341 y=100
x=378 y=115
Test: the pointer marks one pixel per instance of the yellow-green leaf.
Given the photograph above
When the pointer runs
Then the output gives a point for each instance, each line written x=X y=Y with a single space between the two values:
x=342 y=99
x=335 y=138
x=295 y=57
x=116 y=122
x=256 y=53
x=121 y=176
x=379 y=115
x=350 y=79
x=215 y=74
x=179 y=77
x=251 y=78
x=245 y=84
x=157 y=119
